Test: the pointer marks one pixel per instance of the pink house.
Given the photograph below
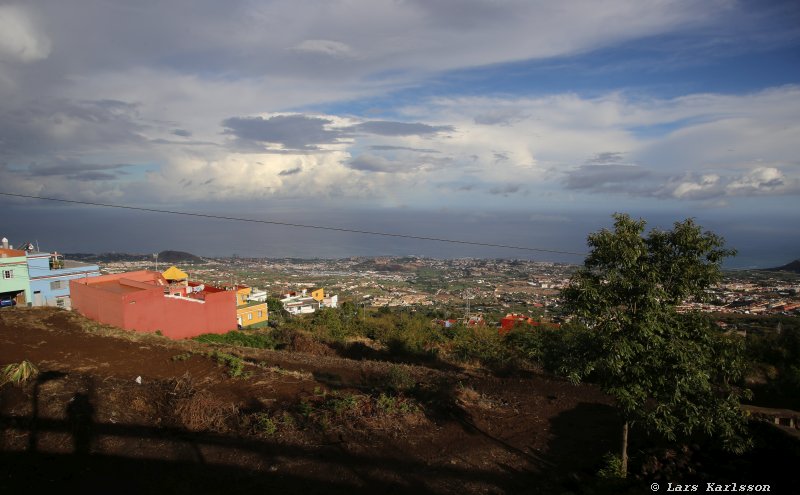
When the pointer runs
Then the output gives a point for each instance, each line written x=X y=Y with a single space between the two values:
x=146 y=302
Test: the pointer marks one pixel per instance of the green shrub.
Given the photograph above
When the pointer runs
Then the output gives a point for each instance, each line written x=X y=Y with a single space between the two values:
x=484 y=345
x=396 y=405
x=256 y=339
x=235 y=364
x=265 y=424
x=612 y=467
x=340 y=404
x=399 y=379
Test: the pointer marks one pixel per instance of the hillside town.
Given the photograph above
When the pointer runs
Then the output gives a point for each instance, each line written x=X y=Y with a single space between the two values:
x=222 y=294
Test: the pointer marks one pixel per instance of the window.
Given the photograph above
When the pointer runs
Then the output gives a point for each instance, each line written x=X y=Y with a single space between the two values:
x=8 y=273
x=249 y=316
x=60 y=302
x=58 y=284
x=260 y=314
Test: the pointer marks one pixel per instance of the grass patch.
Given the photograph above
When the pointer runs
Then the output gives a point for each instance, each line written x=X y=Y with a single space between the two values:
x=181 y=357
x=265 y=424
x=18 y=373
x=396 y=405
x=235 y=364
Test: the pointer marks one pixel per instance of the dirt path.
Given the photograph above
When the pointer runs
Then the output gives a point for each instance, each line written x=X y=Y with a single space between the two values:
x=86 y=422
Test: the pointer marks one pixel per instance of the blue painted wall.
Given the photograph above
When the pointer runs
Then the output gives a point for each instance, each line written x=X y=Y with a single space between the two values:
x=50 y=286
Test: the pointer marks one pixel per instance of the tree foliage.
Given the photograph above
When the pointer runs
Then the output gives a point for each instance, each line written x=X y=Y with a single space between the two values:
x=671 y=373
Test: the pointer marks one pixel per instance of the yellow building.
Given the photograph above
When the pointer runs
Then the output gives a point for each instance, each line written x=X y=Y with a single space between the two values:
x=243 y=294
x=317 y=294
x=249 y=313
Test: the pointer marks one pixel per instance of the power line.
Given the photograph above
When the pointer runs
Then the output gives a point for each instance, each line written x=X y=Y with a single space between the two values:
x=297 y=225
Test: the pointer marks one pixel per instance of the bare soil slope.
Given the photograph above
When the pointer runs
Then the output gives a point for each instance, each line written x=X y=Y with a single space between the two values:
x=297 y=423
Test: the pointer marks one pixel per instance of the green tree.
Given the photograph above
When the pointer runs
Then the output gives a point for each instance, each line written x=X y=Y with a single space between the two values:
x=670 y=373
x=276 y=310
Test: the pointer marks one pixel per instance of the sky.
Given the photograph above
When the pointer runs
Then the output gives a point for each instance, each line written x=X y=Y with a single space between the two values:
x=517 y=122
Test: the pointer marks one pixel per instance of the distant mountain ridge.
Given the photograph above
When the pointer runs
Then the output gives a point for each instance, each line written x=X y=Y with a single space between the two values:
x=793 y=266
x=163 y=257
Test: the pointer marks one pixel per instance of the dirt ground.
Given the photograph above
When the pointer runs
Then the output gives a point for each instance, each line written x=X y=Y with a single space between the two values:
x=294 y=422
x=86 y=421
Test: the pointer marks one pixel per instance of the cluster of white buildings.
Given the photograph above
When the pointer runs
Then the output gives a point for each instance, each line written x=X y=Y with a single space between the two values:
x=308 y=301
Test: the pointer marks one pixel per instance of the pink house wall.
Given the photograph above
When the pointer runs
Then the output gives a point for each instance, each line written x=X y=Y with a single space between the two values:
x=147 y=309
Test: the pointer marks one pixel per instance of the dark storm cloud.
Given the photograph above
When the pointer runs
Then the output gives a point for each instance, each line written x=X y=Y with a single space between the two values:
x=47 y=126
x=304 y=133
x=390 y=128
x=296 y=132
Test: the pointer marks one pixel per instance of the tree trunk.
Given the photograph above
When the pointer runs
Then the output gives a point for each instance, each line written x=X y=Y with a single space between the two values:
x=624 y=466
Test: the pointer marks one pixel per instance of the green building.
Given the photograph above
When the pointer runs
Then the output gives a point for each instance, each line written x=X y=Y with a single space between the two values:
x=14 y=279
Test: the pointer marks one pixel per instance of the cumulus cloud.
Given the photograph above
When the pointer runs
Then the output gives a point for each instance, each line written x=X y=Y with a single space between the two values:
x=20 y=39
x=240 y=83
x=760 y=181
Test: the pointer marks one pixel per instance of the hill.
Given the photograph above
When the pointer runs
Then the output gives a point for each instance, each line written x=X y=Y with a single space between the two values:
x=793 y=266
x=145 y=414
x=205 y=418
x=163 y=257
x=178 y=257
